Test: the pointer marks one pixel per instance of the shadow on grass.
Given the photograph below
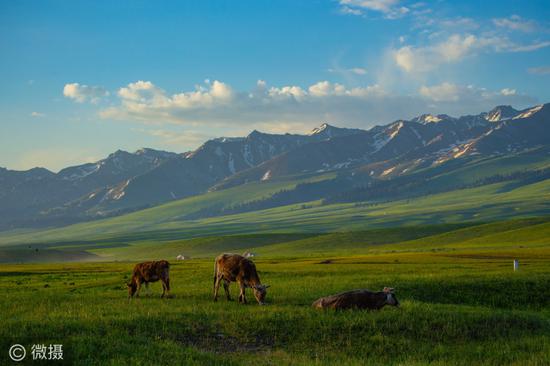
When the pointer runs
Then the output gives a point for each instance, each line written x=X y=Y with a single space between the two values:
x=520 y=293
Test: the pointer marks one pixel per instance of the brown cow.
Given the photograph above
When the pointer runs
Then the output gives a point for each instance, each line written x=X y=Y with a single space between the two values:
x=358 y=299
x=149 y=272
x=236 y=268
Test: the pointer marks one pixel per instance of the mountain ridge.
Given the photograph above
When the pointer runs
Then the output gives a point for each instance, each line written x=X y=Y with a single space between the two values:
x=125 y=181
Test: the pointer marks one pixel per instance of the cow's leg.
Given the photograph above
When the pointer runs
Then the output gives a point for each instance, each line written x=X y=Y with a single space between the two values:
x=163 y=288
x=166 y=283
x=226 y=288
x=138 y=283
x=147 y=289
x=242 y=294
x=217 y=287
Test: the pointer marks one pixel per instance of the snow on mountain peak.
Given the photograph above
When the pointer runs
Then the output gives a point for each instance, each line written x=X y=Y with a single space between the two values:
x=320 y=129
x=501 y=113
x=430 y=118
x=395 y=128
x=529 y=112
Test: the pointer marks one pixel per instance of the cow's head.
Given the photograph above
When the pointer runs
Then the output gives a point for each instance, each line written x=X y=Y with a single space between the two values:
x=259 y=293
x=132 y=288
x=390 y=297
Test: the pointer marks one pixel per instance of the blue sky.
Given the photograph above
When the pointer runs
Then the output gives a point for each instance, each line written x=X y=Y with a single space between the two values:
x=81 y=79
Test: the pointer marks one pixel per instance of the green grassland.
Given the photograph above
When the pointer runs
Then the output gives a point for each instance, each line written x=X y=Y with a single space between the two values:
x=461 y=301
x=449 y=255
x=490 y=202
x=459 y=308
x=481 y=204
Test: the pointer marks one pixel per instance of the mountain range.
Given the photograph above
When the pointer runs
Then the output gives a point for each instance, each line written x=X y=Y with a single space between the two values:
x=384 y=162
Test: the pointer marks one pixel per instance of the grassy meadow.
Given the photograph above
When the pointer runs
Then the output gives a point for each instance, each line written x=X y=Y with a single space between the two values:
x=461 y=301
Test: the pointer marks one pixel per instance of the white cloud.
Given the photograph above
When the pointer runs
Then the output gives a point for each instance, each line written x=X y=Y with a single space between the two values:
x=325 y=88
x=453 y=49
x=442 y=92
x=422 y=59
x=459 y=23
x=294 y=92
x=144 y=100
x=139 y=91
x=529 y=47
x=407 y=58
x=219 y=105
x=391 y=9
x=508 y=91
x=448 y=94
x=384 y=6
x=350 y=11
x=217 y=102
x=37 y=114
x=516 y=23
x=143 y=93
x=216 y=109
x=359 y=71
x=82 y=93
x=541 y=70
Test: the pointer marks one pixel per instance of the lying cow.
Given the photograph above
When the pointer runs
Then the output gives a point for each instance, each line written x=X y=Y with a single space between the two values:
x=236 y=268
x=358 y=299
x=149 y=272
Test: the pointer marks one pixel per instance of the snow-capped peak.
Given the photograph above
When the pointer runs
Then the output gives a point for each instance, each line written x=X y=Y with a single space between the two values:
x=324 y=127
x=501 y=113
x=430 y=118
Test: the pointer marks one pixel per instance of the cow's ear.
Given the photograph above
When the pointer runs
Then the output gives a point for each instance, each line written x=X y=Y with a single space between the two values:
x=267 y=286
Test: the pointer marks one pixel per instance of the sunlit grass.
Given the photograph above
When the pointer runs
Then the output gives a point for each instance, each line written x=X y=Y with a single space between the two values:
x=463 y=308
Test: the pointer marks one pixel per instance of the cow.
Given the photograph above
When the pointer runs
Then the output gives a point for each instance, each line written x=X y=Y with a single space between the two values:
x=358 y=299
x=236 y=268
x=149 y=272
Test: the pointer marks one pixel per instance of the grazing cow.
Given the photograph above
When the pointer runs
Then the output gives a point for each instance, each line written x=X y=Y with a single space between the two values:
x=236 y=268
x=358 y=299
x=149 y=272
